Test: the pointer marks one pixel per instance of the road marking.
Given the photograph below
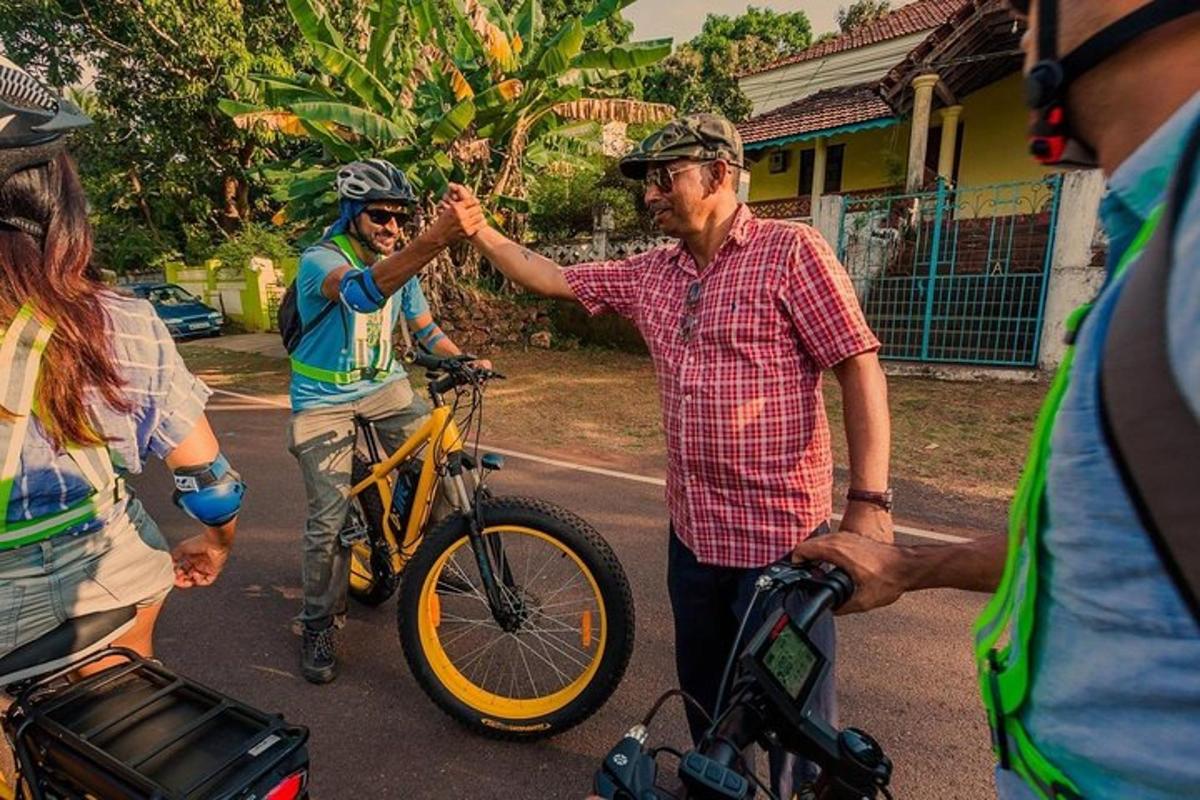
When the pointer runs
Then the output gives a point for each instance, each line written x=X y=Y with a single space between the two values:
x=553 y=462
x=252 y=398
x=608 y=473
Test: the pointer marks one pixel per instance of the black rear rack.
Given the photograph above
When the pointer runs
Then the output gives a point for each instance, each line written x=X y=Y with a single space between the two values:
x=150 y=730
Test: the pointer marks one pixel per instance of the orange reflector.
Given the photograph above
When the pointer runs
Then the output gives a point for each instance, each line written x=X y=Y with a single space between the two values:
x=585 y=629
x=435 y=610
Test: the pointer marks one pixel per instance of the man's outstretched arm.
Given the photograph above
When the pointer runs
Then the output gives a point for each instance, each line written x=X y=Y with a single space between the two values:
x=883 y=572
x=519 y=264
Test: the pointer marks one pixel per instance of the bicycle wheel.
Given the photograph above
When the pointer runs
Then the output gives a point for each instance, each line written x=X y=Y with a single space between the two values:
x=372 y=580
x=559 y=649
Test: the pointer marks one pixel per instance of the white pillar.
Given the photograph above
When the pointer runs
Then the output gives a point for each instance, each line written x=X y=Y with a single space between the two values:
x=1073 y=278
x=918 y=137
x=950 y=117
x=818 y=182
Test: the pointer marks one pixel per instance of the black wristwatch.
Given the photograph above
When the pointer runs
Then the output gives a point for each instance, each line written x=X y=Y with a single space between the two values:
x=882 y=499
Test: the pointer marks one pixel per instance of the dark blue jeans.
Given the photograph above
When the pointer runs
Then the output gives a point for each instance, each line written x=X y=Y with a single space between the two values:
x=708 y=602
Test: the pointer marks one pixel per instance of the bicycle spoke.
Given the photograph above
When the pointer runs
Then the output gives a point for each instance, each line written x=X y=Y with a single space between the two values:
x=550 y=595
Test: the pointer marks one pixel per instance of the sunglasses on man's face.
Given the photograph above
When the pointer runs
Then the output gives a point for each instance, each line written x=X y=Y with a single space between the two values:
x=664 y=177
x=382 y=216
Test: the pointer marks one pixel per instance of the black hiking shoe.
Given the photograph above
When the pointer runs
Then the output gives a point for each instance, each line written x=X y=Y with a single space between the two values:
x=318 y=657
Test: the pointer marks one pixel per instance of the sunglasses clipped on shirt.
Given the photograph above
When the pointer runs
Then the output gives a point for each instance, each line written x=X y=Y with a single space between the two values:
x=381 y=216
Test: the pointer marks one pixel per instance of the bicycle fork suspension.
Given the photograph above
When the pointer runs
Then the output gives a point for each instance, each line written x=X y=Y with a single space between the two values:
x=493 y=567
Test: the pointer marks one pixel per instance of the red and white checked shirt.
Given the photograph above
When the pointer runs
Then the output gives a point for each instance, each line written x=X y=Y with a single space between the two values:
x=749 y=468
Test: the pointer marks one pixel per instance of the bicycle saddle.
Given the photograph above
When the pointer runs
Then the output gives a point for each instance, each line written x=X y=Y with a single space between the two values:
x=70 y=641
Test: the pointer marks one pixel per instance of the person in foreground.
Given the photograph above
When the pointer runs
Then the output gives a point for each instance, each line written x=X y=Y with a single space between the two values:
x=741 y=317
x=91 y=387
x=353 y=289
x=1097 y=692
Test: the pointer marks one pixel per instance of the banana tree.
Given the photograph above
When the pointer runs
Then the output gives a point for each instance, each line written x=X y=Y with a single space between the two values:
x=445 y=89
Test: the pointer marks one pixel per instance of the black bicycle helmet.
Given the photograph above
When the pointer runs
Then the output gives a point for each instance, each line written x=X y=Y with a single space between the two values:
x=34 y=122
x=374 y=179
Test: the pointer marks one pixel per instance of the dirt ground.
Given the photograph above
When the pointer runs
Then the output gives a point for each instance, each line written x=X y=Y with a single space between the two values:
x=961 y=438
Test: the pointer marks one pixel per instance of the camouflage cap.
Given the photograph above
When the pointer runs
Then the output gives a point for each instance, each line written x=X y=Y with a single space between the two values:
x=700 y=137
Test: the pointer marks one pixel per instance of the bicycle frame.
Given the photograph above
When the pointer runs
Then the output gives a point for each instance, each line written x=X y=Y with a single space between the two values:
x=442 y=435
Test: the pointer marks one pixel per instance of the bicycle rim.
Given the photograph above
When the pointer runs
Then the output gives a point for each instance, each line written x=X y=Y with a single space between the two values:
x=550 y=657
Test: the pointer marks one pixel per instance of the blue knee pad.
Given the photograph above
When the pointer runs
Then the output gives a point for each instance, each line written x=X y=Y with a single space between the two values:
x=209 y=493
x=359 y=291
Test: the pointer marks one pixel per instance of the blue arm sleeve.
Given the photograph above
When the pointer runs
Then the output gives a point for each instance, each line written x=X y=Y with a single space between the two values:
x=360 y=293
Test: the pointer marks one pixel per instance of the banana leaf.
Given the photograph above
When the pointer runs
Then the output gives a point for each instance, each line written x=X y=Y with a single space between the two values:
x=351 y=71
x=603 y=10
x=561 y=49
x=282 y=91
x=528 y=23
x=383 y=35
x=340 y=150
x=453 y=123
x=623 y=57
x=517 y=204
x=311 y=17
x=379 y=129
x=426 y=17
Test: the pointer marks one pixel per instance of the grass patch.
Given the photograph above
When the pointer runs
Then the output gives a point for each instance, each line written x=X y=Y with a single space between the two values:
x=967 y=438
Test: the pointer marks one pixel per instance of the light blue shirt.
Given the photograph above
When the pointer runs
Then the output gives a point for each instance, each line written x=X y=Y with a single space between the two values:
x=329 y=344
x=166 y=401
x=1115 y=694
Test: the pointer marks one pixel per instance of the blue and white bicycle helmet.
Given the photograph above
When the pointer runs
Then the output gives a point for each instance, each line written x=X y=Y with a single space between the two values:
x=374 y=179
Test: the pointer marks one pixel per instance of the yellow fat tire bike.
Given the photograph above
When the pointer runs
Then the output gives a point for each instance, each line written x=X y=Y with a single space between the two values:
x=514 y=614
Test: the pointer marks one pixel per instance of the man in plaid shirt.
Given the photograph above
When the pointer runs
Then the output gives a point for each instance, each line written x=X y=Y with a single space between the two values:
x=741 y=317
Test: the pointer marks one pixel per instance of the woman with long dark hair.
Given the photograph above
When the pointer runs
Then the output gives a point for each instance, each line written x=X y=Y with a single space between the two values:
x=91 y=385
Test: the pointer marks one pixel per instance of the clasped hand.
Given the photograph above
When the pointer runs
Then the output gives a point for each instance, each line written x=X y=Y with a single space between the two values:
x=460 y=216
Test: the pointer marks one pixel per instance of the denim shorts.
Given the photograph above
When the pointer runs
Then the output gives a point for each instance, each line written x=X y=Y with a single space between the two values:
x=125 y=563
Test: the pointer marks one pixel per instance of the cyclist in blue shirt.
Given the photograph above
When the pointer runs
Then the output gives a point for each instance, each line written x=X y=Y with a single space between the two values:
x=353 y=290
x=1096 y=693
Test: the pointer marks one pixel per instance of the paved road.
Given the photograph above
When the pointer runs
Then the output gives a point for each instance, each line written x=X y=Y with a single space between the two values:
x=905 y=672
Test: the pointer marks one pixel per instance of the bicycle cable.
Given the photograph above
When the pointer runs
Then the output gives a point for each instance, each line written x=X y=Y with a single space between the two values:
x=733 y=651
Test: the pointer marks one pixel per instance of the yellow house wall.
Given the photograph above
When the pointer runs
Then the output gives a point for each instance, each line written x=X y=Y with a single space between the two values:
x=994 y=149
x=864 y=164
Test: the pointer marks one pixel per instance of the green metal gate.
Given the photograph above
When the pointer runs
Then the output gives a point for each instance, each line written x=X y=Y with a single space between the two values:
x=954 y=274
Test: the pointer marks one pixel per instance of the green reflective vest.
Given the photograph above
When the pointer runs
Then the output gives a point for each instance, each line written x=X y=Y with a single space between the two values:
x=1004 y=668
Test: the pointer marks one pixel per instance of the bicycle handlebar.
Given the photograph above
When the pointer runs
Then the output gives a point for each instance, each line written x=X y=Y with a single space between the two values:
x=852 y=763
x=453 y=371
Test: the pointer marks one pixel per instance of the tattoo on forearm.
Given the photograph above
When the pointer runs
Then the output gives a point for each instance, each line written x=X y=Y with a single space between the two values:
x=525 y=251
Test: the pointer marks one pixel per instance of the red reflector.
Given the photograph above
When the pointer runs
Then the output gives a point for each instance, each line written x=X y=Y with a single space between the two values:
x=290 y=788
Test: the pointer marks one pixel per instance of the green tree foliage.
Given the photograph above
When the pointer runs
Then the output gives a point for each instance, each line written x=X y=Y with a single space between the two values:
x=861 y=12
x=564 y=202
x=162 y=155
x=702 y=74
x=458 y=90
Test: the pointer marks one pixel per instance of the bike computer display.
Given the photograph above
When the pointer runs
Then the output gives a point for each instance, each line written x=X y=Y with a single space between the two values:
x=790 y=658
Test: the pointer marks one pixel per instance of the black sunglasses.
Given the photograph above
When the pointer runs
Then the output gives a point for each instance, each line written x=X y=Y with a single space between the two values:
x=381 y=216
x=664 y=177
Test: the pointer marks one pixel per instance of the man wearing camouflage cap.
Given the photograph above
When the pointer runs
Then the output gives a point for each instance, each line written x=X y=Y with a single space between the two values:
x=741 y=317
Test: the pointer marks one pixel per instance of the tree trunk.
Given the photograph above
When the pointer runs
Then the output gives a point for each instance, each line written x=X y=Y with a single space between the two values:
x=230 y=217
x=136 y=183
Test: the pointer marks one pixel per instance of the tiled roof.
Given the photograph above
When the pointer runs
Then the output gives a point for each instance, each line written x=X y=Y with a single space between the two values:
x=831 y=108
x=915 y=17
